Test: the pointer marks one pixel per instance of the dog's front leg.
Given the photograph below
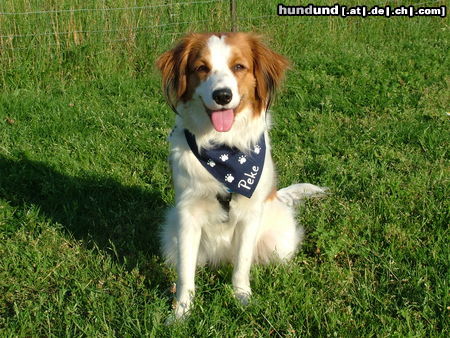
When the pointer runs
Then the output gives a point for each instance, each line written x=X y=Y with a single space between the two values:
x=189 y=234
x=245 y=241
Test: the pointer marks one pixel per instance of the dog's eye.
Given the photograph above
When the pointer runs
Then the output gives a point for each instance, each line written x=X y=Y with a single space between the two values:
x=238 y=67
x=202 y=69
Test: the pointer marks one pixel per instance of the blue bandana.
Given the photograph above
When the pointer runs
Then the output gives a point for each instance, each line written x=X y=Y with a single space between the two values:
x=238 y=171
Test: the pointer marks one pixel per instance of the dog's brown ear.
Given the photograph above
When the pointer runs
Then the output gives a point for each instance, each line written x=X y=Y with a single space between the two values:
x=173 y=67
x=269 y=69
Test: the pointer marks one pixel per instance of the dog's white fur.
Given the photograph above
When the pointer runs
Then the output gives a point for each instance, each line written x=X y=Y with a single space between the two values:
x=198 y=230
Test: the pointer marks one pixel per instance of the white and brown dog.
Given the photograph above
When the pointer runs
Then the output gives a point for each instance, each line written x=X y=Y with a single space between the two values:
x=228 y=208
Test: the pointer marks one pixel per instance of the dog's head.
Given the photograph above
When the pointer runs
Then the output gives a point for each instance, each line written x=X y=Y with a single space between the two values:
x=214 y=77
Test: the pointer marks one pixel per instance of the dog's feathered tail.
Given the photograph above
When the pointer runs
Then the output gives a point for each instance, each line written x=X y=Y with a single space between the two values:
x=296 y=193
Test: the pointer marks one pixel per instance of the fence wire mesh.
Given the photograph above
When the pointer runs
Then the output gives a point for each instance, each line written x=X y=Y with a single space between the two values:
x=30 y=24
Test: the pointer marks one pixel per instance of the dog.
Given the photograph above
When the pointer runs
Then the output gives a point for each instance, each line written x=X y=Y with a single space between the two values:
x=227 y=206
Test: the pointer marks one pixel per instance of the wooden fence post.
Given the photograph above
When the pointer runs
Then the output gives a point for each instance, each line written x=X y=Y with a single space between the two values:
x=233 y=15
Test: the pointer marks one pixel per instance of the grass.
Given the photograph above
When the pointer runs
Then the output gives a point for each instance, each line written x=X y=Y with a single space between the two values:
x=84 y=180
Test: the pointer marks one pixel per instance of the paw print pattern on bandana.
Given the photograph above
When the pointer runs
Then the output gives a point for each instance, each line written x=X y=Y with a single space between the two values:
x=257 y=149
x=229 y=178
x=238 y=171
x=224 y=157
x=242 y=159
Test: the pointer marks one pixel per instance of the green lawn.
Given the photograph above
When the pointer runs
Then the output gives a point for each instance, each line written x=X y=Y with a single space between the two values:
x=84 y=179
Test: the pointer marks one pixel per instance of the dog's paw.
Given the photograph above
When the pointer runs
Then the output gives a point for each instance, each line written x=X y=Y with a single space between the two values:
x=180 y=313
x=172 y=319
x=181 y=305
x=243 y=295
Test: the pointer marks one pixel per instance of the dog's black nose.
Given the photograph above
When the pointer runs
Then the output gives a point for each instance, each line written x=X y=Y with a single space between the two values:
x=222 y=96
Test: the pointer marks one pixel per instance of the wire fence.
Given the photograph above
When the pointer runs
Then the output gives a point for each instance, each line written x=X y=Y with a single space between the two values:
x=64 y=27
x=106 y=9
x=38 y=28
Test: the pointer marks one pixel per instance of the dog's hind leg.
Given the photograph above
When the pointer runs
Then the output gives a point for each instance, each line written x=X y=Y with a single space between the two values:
x=280 y=235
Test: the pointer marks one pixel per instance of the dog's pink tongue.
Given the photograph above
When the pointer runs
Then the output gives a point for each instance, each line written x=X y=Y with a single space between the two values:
x=222 y=120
